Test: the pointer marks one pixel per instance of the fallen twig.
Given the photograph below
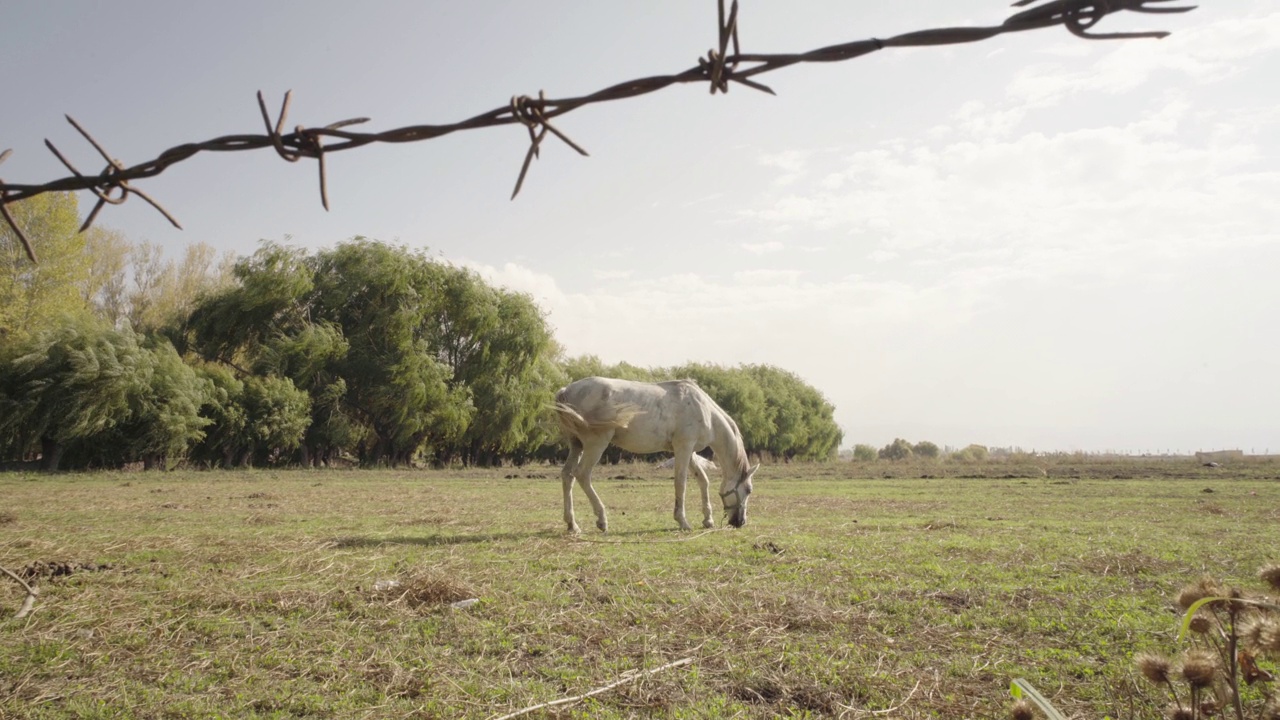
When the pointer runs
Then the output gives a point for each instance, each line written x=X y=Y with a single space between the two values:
x=27 y=603
x=597 y=691
x=886 y=711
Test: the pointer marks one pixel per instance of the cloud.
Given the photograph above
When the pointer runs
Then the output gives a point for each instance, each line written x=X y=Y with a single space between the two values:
x=791 y=162
x=763 y=248
x=1084 y=201
x=1202 y=54
x=608 y=275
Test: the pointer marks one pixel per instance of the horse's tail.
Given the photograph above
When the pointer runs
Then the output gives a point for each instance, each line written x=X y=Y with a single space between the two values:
x=575 y=423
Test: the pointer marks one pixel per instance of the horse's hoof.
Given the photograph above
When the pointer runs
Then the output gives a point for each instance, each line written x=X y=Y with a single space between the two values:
x=574 y=530
x=708 y=524
x=604 y=526
x=684 y=527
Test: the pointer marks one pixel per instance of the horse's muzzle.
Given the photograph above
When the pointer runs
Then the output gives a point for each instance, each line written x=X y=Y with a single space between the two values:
x=738 y=517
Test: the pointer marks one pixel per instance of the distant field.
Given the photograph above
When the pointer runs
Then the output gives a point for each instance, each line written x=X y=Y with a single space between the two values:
x=256 y=594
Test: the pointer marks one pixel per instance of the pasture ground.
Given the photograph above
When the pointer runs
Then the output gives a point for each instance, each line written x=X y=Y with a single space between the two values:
x=266 y=594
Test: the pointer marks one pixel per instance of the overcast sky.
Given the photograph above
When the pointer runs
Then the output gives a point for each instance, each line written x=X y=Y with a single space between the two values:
x=1035 y=240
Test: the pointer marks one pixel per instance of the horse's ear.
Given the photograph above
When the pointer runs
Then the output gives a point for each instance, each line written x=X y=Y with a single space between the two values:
x=753 y=469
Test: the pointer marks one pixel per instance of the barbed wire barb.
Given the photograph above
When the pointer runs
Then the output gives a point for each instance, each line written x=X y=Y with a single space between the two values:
x=1080 y=17
x=724 y=64
x=529 y=112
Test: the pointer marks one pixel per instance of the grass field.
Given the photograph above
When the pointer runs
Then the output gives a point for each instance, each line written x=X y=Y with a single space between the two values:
x=327 y=593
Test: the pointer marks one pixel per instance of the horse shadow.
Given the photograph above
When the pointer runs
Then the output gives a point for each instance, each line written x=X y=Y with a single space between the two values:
x=438 y=540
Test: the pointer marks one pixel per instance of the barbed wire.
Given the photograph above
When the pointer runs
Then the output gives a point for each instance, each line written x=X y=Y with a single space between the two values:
x=719 y=68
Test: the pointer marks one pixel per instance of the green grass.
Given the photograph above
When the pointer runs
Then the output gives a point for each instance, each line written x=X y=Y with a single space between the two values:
x=254 y=594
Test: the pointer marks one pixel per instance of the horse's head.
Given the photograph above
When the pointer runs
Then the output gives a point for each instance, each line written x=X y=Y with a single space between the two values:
x=734 y=492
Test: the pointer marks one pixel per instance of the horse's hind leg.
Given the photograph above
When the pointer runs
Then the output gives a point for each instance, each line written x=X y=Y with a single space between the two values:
x=566 y=482
x=707 y=521
x=592 y=448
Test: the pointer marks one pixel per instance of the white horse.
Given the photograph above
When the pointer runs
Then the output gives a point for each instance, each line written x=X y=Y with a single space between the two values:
x=675 y=416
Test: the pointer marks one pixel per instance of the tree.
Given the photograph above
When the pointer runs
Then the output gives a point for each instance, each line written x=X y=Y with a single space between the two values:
x=35 y=296
x=267 y=299
x=225 y=440
x=864 y=453
x=972 y=453
x=399 y=384
x=803 y=420
x=899 y=449
x=106 y=286
x=163 y=420
x=401 y=356
x=164 y=292
x=276 y=418
x=511 y=374
x=737 y=392
x=925 y=449
x=66 y=385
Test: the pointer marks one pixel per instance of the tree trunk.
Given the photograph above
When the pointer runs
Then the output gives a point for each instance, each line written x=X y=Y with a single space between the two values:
x=50 y=454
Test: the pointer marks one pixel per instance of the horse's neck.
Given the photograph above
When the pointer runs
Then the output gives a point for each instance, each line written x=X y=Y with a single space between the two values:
x=726 y=442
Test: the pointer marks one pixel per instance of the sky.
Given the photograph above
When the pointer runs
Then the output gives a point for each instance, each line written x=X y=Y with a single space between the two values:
x=1035 y=241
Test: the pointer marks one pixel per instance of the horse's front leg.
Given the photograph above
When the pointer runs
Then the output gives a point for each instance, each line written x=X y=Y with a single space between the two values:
x=705 y=482
x=682 y=477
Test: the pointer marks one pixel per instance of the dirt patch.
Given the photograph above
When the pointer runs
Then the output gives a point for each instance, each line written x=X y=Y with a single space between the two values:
x=52 y=569
x=8 y=518
x=957 y=600
x=788 y=693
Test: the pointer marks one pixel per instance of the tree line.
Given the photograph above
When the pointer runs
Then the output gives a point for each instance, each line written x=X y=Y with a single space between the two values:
x=364 y=353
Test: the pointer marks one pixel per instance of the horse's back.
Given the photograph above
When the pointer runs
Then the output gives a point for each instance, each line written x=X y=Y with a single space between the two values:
x=591 y=393
x=659 y=412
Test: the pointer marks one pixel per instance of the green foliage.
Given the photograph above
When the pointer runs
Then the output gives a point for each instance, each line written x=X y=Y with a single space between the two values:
x=164 y=418
x=267 y=301
x=899 y=449
x=99 y=395
x=66 y=385
x=864 y=453
x=225 y=439
x=738 y=392
x=397 y=352
x=803 y=420
x=276 y=416
x=35 y=296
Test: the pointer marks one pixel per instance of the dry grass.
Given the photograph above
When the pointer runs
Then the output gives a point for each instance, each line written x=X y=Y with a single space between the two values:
x=329 y=594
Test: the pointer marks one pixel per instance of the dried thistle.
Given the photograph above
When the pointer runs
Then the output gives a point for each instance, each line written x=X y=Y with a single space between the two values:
x=1200 y=624
x=1269 y=637
x=1270 y=574
x=1253 y=629
x=1021 y=710
x=1155 y=668
x=1191 y=594
x=1199 y=668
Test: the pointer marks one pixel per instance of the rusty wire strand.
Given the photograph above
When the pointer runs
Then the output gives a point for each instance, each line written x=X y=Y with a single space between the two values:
x=719 y=68
x=4 y=212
